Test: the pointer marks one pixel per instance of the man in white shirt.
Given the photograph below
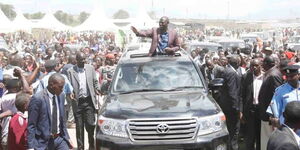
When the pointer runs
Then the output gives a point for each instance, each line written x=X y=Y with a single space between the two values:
x=46 y=127
x=251 y=84
x=85 y=88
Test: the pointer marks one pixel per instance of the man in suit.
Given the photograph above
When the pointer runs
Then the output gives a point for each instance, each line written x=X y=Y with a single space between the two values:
x=164 y=40
x=230 y=101
x=46 y=128
x=285 y=137
x=272 y=79
x=85 y=86
x=207 y=70
x=251 y=84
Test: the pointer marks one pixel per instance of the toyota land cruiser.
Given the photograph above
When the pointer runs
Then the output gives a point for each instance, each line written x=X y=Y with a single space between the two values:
x=159 y=103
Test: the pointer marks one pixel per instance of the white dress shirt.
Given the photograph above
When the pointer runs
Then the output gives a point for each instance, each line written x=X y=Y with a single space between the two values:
x=83 y=91
x=257 y=82
x=57 y=105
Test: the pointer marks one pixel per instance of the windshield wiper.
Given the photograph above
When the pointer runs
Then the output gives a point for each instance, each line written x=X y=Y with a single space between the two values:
x=159 y=90
x=141 y=90
x=183 y=87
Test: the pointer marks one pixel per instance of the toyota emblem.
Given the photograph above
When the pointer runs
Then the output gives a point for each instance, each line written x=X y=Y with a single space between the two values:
x=162 y=128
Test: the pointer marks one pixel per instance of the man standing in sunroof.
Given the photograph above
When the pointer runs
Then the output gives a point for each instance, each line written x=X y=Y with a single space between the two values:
x=164 y=40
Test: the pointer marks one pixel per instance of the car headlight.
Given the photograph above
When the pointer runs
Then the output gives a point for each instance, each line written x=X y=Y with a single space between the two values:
x=112 y=127
x=211 y=124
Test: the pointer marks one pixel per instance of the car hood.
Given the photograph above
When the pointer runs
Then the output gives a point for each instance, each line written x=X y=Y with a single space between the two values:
x=160 y=105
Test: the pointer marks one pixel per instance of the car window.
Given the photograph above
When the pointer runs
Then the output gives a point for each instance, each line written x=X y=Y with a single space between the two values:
x=160 y=75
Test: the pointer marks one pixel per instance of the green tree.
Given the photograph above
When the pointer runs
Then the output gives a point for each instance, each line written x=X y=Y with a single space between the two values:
x=27 y=15
x=65 y=18
x=37 y=15
x=83 y=16
x=8 y=10
x=121 y=14
x=58 y=14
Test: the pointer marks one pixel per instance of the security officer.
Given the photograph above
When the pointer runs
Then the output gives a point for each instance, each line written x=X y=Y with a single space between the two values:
x=290 y=91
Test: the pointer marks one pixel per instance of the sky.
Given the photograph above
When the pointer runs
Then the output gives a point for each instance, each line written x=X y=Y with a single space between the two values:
x=196 y=9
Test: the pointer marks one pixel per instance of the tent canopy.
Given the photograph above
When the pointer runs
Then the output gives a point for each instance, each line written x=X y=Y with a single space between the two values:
x=6 y=24
x=50 y=22
x=97 y=21
x=143 y=20
x=21 y=23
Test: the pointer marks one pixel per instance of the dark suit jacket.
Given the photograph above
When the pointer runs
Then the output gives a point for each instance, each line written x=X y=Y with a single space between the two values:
x=247 y=93
x=230 y=100
x=92 y=82
x=39 y=121
x=154 y=33
x=217 y=72
x=282 y=139
x=272 y=79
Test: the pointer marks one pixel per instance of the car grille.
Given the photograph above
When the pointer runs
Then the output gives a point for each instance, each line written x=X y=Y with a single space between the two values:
x=153 y=129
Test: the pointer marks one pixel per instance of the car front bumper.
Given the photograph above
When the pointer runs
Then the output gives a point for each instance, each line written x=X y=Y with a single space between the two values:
x=214 y=141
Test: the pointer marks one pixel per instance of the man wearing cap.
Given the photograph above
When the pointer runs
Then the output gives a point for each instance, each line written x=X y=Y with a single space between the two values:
x=267 y=51
x=285 y=137
x=164 y=40
x=284 y=94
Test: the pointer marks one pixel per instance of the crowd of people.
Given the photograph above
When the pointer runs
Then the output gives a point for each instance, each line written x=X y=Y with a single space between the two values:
x=51 y=67
x=46 y=81
x=257 y=87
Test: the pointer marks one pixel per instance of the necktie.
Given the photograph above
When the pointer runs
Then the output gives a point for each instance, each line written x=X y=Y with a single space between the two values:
x=54 y=116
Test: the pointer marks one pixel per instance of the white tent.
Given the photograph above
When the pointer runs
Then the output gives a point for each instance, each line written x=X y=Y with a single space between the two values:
x=5 y=24
x=21 y=23
x=143 y=20
x=50 y=22
x=97 y=21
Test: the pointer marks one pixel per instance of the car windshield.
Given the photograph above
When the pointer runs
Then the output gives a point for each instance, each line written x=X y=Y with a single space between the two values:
x=156 y=75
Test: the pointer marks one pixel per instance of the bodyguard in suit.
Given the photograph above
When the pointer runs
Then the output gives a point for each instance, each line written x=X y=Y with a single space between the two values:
x=46 y=128
x=85 y=86
x=230 y=101
x=164 y=40
x=272 y=80
x=251 y=84
x=285 y=138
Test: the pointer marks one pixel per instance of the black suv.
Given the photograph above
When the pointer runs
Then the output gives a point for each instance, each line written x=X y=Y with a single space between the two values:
x=159 y=103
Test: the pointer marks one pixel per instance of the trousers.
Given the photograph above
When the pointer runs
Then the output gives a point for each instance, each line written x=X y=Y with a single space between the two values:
x=85 y=119
x=57 y=143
